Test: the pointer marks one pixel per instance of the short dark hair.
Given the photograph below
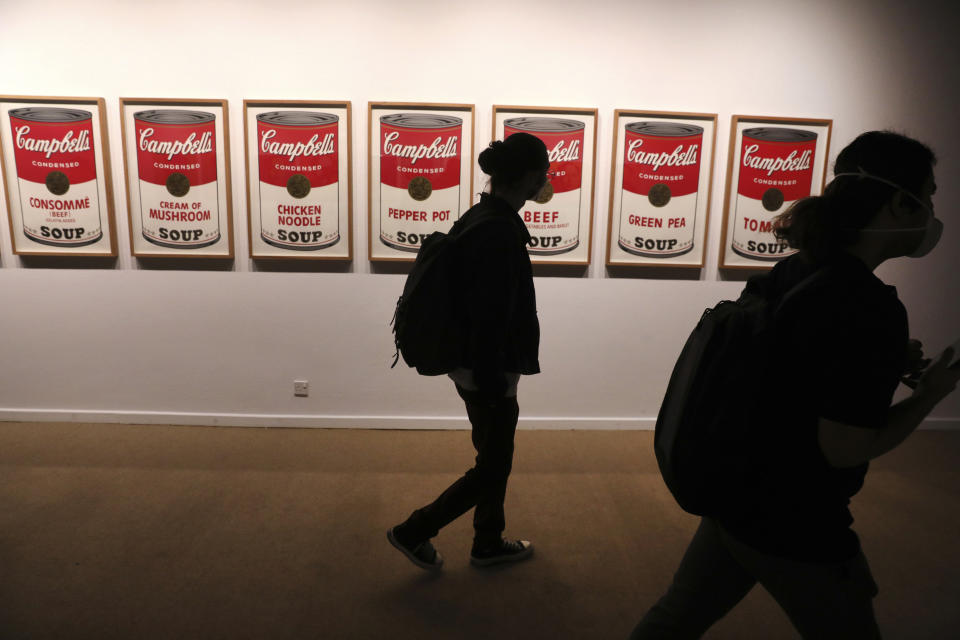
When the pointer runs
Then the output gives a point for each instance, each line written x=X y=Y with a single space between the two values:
x=507 y=161
x=822 y=226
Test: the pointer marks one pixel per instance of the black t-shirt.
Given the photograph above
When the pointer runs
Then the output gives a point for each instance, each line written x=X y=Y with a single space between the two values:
x=841 y=346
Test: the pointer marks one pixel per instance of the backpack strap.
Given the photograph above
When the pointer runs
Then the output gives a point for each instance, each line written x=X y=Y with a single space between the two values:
x=810 y=282
x=495 y=210
x=459 y=228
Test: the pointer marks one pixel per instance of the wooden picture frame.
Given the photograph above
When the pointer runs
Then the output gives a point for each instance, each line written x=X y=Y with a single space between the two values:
x=785 y=159
x=55 y=166
x=560 y=220
x=424 y=173
x=176 y=158
x=661 y=184
x=300 y=196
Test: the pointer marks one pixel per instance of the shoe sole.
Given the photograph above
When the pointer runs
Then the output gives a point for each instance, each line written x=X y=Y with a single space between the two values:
x=412 y=558
x=489 y=562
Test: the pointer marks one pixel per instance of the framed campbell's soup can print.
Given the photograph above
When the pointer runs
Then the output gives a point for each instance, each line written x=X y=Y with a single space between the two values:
x=298 y=179
x=560 y=217
x=773 y=162
x=55 y=166
x=420 y=174
x=660 y=187
x=177 y=160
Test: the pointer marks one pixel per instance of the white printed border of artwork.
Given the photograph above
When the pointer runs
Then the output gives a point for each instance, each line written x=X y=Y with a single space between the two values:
x=728 y=258
x=616 y=255
x=581 y=253
x=24 y=246
x=342 y=249
x=378 y=250
x=139 y=246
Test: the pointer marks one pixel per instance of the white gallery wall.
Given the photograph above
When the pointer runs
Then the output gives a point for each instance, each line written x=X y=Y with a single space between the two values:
x=184 y=343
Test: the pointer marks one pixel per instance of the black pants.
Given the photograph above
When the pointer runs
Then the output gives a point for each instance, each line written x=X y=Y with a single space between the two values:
x=484 y=486
x=823 y=601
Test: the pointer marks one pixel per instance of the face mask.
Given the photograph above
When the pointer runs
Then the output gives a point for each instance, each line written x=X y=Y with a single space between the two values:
x=536 y=189
x=932 y=230
x=931 y=236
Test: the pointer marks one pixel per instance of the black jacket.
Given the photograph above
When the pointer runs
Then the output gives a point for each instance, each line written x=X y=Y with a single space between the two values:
x=498 y=300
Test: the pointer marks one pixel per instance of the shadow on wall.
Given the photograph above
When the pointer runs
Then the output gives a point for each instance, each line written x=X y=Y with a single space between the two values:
x=654 y=273
x=69 y=262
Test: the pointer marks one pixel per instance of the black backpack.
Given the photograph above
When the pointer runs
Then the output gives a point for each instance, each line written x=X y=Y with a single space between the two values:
x=703 y=438
x=428 y=329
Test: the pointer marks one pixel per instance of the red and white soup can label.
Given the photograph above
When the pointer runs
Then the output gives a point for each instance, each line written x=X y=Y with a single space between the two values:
x=776 y=170
x=177 y=167
x=661 y=176
x=553 y=216
x=299 y=179
x=57 y=175
x=419 y=176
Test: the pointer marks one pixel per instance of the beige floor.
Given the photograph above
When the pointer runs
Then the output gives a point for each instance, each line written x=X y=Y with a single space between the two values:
x=118 y=531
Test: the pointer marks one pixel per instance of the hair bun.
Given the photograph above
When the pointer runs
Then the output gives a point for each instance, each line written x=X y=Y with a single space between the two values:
x=491 y=158
x=508 y=161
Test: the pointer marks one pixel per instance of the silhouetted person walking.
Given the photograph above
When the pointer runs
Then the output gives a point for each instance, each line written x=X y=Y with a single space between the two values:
x=844 y=348
x=502 y=342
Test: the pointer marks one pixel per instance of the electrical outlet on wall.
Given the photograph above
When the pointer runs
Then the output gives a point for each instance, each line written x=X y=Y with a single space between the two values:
x=301 y=388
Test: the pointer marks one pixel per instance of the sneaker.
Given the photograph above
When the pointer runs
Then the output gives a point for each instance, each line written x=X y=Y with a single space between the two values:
x=423 y=555
x=506 y=551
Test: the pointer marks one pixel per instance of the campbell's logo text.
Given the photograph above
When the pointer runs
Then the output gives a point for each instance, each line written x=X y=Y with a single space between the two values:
x=563 y=152
x=71 y=142
x=677 y=158
x=413 y=152
x=792 y=162
x=293 y=150
x=191 y=146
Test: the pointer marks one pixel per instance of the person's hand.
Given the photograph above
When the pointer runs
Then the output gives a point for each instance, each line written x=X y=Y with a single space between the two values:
x=915 y=364
x=939 y=379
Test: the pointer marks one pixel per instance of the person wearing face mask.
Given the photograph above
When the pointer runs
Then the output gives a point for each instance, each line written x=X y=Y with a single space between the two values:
x=502 y=341
x=840 y=350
